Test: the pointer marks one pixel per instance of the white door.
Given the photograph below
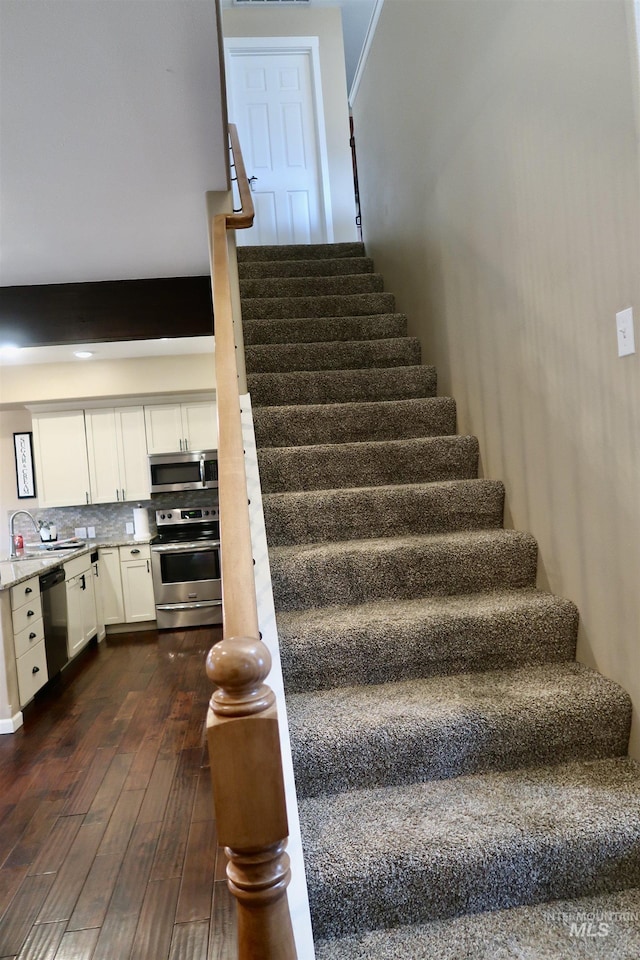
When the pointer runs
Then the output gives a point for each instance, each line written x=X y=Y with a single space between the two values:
x=200 y=426
x=273 y=100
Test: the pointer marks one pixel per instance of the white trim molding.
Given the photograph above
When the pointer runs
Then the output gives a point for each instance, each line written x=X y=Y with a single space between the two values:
x=11 y=724
x=364 y=56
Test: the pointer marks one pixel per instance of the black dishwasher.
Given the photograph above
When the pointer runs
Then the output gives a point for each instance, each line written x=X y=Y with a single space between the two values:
x=53 y=592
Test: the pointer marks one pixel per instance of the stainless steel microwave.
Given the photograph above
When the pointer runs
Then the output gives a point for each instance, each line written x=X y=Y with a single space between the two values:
x=188 y=470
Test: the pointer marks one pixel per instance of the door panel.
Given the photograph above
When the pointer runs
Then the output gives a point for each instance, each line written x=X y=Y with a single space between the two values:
x=272 y=102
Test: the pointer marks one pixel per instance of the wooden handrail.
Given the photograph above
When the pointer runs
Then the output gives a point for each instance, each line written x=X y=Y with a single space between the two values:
x=242 y=721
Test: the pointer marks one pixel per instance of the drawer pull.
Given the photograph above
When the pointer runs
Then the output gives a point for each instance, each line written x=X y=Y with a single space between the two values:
x=135 y=551
x=36 y=670
x=28 y=590
x=30 y=613
x=32 y=635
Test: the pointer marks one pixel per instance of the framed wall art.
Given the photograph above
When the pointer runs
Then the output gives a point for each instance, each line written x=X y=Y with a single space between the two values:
x=23 y=445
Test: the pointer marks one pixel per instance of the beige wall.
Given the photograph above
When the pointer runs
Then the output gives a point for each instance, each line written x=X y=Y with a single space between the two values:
x=326 y=24
x=499 y=171
x=101 y=379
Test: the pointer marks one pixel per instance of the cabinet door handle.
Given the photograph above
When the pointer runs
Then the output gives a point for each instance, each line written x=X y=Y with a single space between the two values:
x=28 y=590
x=87 y=496
x=30 y=613
x=147 y=566
x=123 y=493
x=180 y=442
x=36 y=670
x=32 y=635
x=117 y=494
x=186 y=443
x=83 y=583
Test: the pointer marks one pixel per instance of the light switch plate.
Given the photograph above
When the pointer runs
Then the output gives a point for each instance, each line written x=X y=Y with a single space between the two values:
x=80 y=533
x=626 y=337
x=91 y=533
x=129 y=527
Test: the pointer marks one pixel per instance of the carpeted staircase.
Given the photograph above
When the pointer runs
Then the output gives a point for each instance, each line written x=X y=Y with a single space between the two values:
x=463 y=783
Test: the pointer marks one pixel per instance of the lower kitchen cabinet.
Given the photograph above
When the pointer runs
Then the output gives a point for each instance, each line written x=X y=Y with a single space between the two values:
x=82 y=622
x=28 y=636
x=137 y=584
x=111 y=586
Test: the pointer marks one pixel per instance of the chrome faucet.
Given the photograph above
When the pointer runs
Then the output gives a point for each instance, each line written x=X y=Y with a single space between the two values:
x=13 y=553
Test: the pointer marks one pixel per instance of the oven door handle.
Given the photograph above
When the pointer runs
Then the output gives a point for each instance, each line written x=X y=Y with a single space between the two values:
x=191 y=605
x=190 y=548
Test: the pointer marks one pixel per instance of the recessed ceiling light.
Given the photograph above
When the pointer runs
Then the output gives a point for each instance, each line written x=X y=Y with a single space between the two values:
x=83 y=354
x=9 y=349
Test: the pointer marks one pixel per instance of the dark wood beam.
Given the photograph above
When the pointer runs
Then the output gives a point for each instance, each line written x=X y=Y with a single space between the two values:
x=47 y=314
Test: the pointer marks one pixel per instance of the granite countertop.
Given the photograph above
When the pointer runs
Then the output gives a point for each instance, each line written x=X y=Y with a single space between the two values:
x=12 y=572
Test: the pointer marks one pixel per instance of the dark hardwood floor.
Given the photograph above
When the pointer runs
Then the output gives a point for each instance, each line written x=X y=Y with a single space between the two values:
x=108 y=846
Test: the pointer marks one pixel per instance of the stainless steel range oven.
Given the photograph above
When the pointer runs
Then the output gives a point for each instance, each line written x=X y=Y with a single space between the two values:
x=185 y=560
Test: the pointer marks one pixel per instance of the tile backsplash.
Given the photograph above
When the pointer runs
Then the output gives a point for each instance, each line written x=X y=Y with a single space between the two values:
x=109 y=519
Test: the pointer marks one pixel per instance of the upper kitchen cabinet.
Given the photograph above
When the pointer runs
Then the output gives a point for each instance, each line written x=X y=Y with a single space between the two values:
x=117 y=454
x=60 y=453
x=181 y=426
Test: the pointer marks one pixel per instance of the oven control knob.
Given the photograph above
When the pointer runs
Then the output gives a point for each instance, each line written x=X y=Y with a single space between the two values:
x=162 y=516
x=206 y=513
x=169 y=515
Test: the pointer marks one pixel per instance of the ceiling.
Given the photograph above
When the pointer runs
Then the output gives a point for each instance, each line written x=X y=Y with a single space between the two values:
x=65 y=353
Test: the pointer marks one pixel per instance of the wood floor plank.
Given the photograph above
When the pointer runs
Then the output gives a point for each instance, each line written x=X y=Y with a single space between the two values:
x=116 y=938
x=155 y=925
x=132 y=880
x=172 y=844
x=82 y=798
x=196 y=889
x=10 y=880
x=203 y=806
x=109 y=791
x=78 y=945
x=42 y=942
x=71 y=876
x=122 y=822
x=38 y=829
x=91 y=906
x=223 y=937
x=190 y=941
x=157 y=794
x=23 y=910
x=57 y=845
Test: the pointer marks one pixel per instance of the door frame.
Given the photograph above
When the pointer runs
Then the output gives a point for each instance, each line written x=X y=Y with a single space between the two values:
x=309 y=47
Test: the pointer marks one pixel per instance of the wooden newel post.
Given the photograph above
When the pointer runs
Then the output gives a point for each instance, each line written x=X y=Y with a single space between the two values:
x=248 y=792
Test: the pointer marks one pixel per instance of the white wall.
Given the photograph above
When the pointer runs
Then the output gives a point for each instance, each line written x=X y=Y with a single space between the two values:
x=112 y=131
x=499 y=172
x=324 y=23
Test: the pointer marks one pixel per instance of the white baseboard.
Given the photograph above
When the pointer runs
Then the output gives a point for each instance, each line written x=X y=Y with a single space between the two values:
x=12 y=724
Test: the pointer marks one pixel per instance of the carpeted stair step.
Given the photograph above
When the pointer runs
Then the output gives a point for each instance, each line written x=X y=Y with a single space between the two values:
x=322 y=286
x=382 y=326
x=301 y=251
x=339 y=266
x=603 y=927
x=351 y=305
x=481 y=842
x=401 y=568
x=439 y=727
x=386 y=641
x=341 y=386
x=379 y=463
x=321 y=516
x=350 y=422
x=340 y=355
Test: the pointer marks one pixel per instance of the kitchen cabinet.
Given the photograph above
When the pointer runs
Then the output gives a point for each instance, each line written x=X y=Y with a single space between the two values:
x=137 y=584
x=97 y=586
x=82 y=622
x=28 y=639
x=117 y=454
x=61 y=462
x=111 y=586
x=181 y=426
